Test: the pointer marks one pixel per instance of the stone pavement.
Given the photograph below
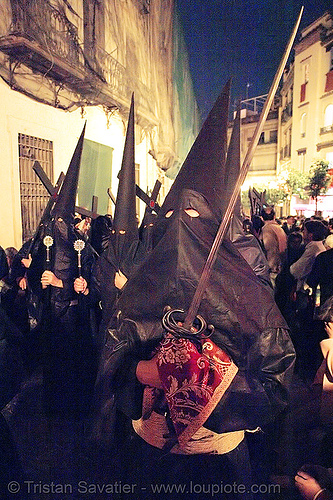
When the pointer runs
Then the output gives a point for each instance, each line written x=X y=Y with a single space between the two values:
x=61 y=461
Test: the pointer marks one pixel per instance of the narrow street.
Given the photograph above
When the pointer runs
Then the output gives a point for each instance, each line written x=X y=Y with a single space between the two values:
x=61 y=460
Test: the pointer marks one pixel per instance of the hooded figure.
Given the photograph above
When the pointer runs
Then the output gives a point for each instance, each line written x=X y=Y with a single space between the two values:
x=146 y=229
x=124 y=236
x=125 y=228
x=67 y=350
x=247 y=326
x=247 y=322
x=100 y=232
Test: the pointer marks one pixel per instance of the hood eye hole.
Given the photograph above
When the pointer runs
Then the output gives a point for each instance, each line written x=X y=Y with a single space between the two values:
x=191 y=212
x=122 y=231
x=168 y=214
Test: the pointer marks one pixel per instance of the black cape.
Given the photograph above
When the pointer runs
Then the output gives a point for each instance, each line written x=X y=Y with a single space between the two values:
x=247 y=322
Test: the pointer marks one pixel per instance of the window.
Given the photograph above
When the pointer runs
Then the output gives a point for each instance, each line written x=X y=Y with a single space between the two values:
x=303 y=92
x=305 y=79
x=301 y=160
x=34 y=196
x=262 y=138
x=286 y=144
x=305 y=72
x=273 y=136
x=290 y=95
x=303 y=124
x=328 y=119
x=329 y=81
x=329 y=158
x=329 y=75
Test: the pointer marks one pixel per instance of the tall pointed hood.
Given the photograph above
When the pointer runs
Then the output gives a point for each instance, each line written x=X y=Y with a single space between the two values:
x=247 y=322
x=125 y=228
x=65 y=205
x=203 y=169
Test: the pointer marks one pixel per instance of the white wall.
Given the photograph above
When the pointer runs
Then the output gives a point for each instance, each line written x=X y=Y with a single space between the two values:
x=21 y=114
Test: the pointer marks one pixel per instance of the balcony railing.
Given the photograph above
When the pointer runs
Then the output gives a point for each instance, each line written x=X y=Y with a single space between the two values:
x=116 y=76
x=113 y=72
x=43 y=38
x=326 y=130
x=39 y=21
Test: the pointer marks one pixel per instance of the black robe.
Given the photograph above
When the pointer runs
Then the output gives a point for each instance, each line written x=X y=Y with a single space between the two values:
x=247 y=322
x=67 y=349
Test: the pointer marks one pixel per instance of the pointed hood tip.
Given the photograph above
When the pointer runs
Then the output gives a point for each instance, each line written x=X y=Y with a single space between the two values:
x=125 y=209
x=125 y=227
x=233 y=163
x=65 y=204
x=203 y=168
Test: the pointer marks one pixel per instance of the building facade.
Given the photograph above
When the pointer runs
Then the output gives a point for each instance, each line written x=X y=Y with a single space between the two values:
x=312 y=119
x=299 y=128
x=263 y=168
x=64 y=62
x=285 y=121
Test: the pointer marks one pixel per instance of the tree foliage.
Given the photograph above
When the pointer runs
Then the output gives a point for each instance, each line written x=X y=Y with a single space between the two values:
x=290 y=183
x=275 y=196
x=296 y=184
x=319 y=179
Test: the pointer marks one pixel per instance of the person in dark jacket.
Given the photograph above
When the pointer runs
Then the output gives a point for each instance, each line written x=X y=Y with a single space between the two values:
x=68 y=348
x=117 y=262
x=322 y=274
x=290 y=225
x=21 y=304
x=100 y=232
x=285 y=283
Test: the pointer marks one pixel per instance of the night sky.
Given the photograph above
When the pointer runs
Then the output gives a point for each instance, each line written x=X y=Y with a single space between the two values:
x=239 y=39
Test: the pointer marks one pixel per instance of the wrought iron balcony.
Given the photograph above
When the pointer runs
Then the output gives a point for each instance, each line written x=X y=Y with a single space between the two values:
x=42 y=38
x=117 y=78
x=326 y=130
